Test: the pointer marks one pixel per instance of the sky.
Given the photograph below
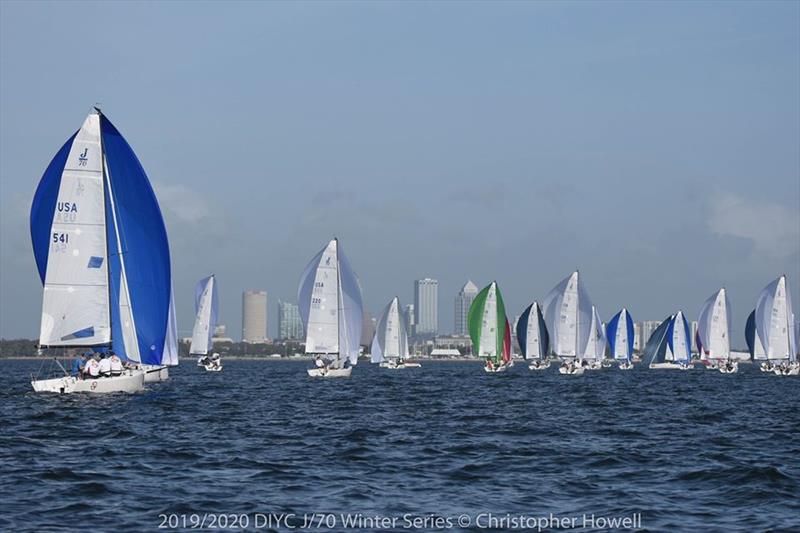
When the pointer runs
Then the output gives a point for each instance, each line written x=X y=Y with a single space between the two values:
x=653 y=146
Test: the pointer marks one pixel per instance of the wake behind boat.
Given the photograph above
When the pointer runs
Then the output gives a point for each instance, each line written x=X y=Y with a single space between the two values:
x=101 y=250
x=489 y=329
x=329 y=297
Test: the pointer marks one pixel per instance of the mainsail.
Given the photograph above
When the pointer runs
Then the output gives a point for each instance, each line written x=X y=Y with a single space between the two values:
x=596 y=344
x=713 y=327
x=568 y=315
x=775 y=321
x=620 y=332
x=101 y=249
x=391 y=337
x=206 y=306
x=534 y=340
x=679 y=347
x=488 y=325
x=329 y=298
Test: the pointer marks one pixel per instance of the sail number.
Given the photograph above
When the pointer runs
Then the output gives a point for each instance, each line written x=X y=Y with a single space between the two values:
x=60 y=241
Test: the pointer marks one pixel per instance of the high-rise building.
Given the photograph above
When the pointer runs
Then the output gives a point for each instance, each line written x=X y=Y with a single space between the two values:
x=426 y=307
x=648 y=327
x=464 y=300
x=411 y=321
x=290 y=327
x=254 y=316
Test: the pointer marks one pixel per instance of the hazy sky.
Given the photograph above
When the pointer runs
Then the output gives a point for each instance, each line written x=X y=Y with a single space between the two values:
x=653 y=146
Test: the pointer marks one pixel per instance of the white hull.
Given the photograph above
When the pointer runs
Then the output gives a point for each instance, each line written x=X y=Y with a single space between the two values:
x=330 y=373
x=213 y=368
x=539 y=365
x=395 y=366
x=571 y=371
x=131 y=381
x=624 y=365
x=767 y=367
x=790 y=370
x=155 y=373
x=595 y=365
x=669 y=366
x=725 y=369
x=495 y=370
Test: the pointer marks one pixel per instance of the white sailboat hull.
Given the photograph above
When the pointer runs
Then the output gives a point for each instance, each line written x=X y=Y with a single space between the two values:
x=574 y=371
x=624 y=365
x=734 y=368
x=401 y=366
x=330 y=373
x=787 y=370
x=132 y=381
x=155 y=373
x=213 y=368
x=539 y=365
x=669 y=366
x=494 y=370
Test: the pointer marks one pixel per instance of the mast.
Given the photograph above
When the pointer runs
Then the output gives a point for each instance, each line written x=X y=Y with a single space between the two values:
x=339 y=313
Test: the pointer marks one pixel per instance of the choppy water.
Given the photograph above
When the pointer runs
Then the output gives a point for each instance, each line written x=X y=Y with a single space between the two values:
x=688 y=450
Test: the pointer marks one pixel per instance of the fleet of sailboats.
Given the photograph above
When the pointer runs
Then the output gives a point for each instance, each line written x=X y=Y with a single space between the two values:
x=102 y=254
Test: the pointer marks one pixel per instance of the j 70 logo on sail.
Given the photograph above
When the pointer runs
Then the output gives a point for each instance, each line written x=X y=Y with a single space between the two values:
x=83 y=159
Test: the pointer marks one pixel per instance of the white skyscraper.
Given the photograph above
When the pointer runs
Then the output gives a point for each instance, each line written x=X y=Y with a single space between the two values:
x=464 y=300
x=426 y=307
x=254 y=316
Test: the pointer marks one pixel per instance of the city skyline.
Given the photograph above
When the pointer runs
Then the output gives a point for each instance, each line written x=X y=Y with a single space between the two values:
x=522 y=162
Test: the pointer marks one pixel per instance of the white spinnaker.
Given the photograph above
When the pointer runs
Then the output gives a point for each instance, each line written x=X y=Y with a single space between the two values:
x=75 y=297
x=488 y=343
x=322 y=330
x=713 y=327
x=202 y=323
x=621 y=336
x=533 y=337
x=171 y=352
x=779 y=331
x=680 y=344
x=568 y=319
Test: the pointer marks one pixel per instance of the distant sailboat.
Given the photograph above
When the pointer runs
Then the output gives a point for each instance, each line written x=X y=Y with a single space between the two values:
x=489 y=329
x=390 y=343
x=329 y=297
x=620 y=332
x=206 y=305
x=669 y=346
x=570 y=319
x=713 y=332
x=775 y=328
x=533 y=338
x=101 y=249
x=596 y=344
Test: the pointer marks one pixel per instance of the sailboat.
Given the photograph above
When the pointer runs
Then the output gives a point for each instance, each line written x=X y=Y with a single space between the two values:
x=329 y=297
x=713 y=333
x=102 y=253
x=754 y=345
x=390 y=343
x=489 y=329
x=620 y=333
x=775 y=328
x=569 y=318
x=669 y=346
x=595 y=352
x=533 y=338
x=206 y=304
